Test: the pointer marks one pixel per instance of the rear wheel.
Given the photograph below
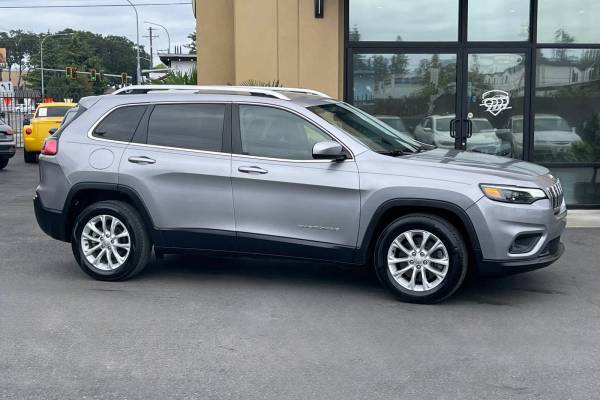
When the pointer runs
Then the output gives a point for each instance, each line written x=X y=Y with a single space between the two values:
x=421 y=258
x=29 y=156
x=110 y=241
x=3 y=163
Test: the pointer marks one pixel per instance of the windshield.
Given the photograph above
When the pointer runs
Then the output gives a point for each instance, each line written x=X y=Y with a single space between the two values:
x=373 y=133
x=51 y=111
x=551 y=124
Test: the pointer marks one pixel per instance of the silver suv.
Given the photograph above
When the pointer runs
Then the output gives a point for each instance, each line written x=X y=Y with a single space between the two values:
x=287 y=172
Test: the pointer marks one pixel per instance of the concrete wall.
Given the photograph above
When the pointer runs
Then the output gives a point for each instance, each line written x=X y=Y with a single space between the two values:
x=271 y=40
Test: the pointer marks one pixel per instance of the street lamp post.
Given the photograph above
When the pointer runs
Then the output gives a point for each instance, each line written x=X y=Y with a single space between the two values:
x=137 y=29
x=42 y=54
x=166 y=31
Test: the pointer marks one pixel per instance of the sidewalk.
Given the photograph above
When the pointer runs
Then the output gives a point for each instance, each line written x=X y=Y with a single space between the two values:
x=583 y=219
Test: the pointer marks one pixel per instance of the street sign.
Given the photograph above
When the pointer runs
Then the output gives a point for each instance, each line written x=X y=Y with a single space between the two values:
x=6 y=88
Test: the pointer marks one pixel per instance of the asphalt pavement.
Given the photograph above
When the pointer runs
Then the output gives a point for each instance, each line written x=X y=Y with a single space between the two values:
x=243 y=328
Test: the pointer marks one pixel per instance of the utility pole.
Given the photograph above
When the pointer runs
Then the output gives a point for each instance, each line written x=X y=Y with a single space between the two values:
x=151 y=36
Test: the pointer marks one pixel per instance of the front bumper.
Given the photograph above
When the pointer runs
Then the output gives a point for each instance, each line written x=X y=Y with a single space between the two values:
x=52 y=222
x=499 y=225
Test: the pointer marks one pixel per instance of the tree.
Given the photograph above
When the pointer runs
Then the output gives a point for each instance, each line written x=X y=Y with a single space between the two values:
x=192 y=44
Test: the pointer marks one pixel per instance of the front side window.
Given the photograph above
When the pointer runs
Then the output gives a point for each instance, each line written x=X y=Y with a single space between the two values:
x=367 y=129
x=187 y=126
x=120 y=125
x=274 y=133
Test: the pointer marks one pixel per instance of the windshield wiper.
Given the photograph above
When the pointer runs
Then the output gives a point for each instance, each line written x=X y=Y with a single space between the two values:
x=393 y=153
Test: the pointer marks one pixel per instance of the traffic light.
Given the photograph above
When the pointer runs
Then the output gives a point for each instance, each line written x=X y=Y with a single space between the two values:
x=124 y=78
x=93 y=75
x=72 y=73
x=68 y=72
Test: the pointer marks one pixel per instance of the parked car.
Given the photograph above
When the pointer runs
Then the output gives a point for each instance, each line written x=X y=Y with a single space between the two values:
x=393 y=121
x=435 y=129
x=7 y=144
x=292 y=173
x=552 y=135
x=36 y=130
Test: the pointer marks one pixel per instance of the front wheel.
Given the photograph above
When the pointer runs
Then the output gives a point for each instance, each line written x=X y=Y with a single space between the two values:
x=3 y=163
x=110 y=241
x=421 y=258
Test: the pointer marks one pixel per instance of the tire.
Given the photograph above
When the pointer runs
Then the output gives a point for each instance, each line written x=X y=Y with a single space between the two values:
x=3 y=163
x=409 y=265
x=129 y=229
x=29 y=156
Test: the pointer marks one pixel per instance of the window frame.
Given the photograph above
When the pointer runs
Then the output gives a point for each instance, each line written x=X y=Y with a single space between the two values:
x=236 y=144
x=140 y=137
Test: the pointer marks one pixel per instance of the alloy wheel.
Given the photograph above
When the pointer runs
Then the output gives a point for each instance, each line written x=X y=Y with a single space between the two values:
x=105 y=242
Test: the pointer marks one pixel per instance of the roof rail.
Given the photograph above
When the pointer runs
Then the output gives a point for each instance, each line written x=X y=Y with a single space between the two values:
x=265 y=91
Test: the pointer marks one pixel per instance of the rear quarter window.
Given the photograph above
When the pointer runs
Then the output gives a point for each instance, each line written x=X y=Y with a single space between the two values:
x=120 y=124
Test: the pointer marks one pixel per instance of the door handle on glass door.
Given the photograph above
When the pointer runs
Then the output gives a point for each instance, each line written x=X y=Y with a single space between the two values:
x=141 y=160
x=252 y=170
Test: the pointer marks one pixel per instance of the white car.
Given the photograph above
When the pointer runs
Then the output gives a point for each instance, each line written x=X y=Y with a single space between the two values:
x=552 y=134
x=435 y=129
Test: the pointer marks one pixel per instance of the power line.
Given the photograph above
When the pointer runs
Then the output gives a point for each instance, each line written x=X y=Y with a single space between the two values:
x=96 y=5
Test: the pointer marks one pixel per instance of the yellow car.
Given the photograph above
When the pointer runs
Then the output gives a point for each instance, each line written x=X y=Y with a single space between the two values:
x=36 y=130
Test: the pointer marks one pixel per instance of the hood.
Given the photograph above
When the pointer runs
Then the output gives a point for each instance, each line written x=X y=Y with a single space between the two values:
x=479 y=163
x=559 y=137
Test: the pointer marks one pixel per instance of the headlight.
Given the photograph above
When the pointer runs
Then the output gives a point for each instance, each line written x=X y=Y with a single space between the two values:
x=512 y=194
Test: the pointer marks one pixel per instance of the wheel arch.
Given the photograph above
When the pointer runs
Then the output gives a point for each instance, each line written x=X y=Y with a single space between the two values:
x=82 y=195
x=393 y=209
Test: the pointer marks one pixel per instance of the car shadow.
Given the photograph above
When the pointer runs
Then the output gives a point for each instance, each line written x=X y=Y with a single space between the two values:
x=498 y=291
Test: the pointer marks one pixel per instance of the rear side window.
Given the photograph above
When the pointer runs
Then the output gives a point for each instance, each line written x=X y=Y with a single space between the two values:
x=187 y=126
x=120 y=124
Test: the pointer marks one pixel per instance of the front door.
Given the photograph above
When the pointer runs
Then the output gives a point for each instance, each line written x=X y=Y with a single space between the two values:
x=286 y=202
x=492 y=103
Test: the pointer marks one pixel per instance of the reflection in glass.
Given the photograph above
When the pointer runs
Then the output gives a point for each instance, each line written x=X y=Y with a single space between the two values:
x=572 y=21
x=495 y=93
x=403 y=90
x=567 y=120
x=406 y=20
x=501 y=20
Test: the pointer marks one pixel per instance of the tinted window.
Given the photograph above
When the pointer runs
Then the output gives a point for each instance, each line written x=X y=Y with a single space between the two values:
x=274 y=133
x=120 y=124
x=52 y=111
x=188 y=126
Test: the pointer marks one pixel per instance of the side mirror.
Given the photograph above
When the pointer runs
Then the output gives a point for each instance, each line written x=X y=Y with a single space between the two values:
x=52 y=131
x=329 y=150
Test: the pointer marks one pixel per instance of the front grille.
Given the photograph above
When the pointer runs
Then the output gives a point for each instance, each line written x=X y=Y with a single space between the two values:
x=555 y=194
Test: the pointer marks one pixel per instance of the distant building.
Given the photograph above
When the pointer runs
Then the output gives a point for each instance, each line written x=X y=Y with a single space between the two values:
x=182 y=63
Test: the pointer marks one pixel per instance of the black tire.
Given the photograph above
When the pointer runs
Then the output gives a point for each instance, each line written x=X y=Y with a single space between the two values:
x=449 y=236
x=29 y=156
x=140 y=247
x=3 y=163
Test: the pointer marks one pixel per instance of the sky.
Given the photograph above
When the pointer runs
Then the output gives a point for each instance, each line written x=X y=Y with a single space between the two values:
x=177 y=18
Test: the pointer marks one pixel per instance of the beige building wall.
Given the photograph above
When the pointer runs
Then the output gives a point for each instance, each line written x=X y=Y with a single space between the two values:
x=269 y=40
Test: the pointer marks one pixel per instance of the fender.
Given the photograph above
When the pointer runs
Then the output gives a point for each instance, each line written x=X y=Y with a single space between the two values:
x=362 y=252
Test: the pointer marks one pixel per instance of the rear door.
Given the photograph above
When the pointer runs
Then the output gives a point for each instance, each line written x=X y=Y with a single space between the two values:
x=179 y=163
x=285 y=201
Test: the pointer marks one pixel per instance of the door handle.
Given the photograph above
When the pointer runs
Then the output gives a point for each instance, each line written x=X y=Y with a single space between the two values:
x=252 y=170
x=141 y=160
x=452 y=128
x=469 y=128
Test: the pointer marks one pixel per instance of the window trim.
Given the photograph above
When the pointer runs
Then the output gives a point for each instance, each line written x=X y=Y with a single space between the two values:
x=236 y=145
x=225 y=147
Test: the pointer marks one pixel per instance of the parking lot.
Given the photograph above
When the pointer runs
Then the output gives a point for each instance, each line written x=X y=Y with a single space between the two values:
x=242 y=328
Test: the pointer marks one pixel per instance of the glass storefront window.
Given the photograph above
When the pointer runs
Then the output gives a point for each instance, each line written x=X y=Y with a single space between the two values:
x=580 y=185
x=406 y=20
x=407 y=91
x=506 y=20
x=567 y=103
x=572 y=21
